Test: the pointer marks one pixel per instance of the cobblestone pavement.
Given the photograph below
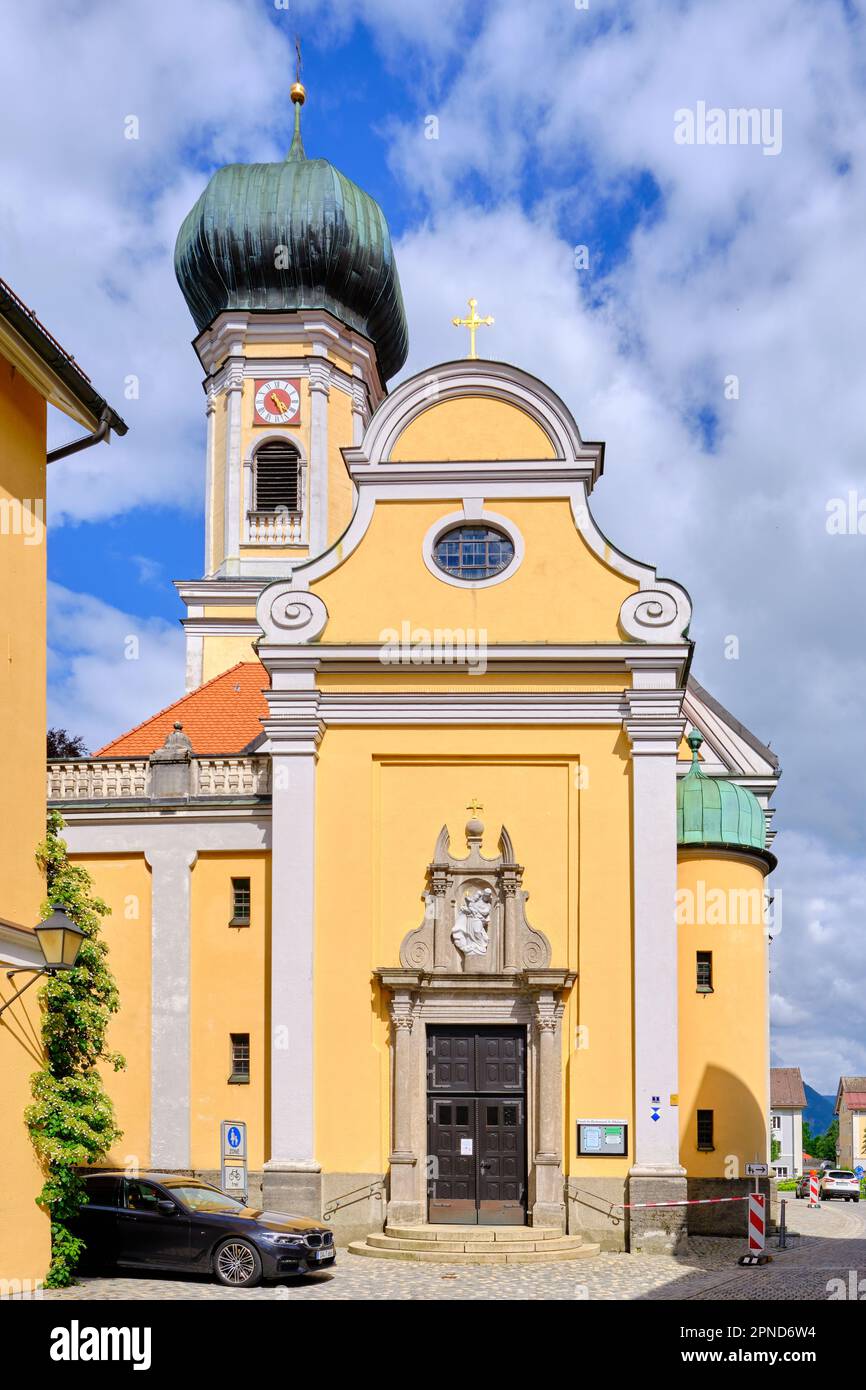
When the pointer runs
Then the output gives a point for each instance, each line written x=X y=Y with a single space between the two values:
x=832 y=1244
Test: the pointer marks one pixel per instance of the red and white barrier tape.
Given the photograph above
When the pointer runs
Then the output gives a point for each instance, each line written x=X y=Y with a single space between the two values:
x=692 y=1202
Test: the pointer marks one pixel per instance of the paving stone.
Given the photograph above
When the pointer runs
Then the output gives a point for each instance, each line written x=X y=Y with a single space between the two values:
x=833 y=1244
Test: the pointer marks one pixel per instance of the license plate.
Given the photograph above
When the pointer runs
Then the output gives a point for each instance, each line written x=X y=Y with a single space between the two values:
x=325 y=1254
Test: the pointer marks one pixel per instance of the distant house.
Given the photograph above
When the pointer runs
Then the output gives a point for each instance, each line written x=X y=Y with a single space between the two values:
x=851 y=1112
x=787 y=1103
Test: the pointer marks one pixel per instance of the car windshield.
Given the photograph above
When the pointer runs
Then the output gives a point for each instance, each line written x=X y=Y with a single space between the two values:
x=205 y=1199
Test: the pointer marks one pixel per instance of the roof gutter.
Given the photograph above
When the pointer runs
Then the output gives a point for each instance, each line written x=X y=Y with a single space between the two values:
x=102 y=432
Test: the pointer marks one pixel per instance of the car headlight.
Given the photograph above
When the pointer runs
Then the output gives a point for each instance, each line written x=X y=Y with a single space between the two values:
x=276 y=1238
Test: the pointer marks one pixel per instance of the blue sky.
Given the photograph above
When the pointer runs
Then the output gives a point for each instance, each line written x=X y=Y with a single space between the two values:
x=555 y=131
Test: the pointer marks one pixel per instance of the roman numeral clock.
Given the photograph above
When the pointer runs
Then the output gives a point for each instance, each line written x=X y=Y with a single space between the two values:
x=277 y=402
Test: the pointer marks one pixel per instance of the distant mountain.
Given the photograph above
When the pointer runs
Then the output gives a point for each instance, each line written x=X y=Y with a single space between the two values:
x=819 y=1110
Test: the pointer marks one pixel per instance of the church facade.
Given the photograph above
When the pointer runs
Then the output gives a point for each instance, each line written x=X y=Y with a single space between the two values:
x=444 y=876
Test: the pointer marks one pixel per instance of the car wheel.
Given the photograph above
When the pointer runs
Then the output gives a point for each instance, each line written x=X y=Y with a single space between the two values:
x=238 y=1264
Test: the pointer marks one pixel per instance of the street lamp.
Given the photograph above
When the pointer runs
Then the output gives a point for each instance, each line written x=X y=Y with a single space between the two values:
x=59 y=941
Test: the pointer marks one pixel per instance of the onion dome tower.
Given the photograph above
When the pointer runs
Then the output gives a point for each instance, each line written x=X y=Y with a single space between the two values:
x=713 y=811
x=289 y=273
x=295 y=235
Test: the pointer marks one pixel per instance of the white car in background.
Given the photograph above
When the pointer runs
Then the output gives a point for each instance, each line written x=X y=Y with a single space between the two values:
x=840 y=1182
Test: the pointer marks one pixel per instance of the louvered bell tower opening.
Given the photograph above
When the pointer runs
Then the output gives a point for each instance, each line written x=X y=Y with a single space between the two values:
x=277 y=504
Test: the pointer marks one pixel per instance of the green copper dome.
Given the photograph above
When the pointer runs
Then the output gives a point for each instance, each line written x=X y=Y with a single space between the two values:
x=294 y=235
x=713 y=811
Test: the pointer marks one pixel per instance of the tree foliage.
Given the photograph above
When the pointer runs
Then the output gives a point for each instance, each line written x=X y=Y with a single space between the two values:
x=64 y=745
x=71 y=1120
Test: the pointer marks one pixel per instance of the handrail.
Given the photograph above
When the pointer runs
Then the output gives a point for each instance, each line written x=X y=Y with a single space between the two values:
x=349 y=1198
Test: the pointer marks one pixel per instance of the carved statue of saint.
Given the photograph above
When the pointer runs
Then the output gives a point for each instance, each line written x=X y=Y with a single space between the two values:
x=470 y=933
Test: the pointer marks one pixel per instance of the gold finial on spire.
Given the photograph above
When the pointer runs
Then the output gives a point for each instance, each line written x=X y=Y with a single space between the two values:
x=473 y=323
x=299 y=91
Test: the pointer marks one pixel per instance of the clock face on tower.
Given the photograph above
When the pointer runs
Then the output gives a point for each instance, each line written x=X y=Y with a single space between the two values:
x=277 y=402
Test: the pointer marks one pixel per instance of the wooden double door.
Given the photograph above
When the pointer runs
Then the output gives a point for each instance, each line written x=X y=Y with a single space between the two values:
x=476 y=1125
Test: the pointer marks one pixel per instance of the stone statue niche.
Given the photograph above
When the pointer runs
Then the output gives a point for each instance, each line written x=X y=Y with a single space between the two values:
x=475 y=914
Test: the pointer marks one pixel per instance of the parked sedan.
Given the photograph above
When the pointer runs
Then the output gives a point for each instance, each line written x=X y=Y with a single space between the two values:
x=803 y=1186
x=840 y=1182
x=160 y=1221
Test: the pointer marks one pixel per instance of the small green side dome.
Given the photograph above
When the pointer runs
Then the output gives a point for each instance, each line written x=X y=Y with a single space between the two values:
x=338 y=254
x=713 y=811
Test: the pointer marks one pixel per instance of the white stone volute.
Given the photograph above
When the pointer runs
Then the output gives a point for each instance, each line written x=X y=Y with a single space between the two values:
x=289 y=615
x=659 y=614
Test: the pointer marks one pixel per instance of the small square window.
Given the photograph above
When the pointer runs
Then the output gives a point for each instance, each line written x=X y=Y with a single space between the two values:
x=705 y=1130
x=240 y=1059
x=241 y=898
x=704 y=972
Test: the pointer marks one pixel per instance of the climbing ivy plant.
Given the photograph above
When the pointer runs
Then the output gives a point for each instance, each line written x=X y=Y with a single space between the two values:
x=71 y=1120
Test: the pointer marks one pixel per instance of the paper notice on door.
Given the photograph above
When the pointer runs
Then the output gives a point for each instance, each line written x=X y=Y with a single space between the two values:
x=465 y=1148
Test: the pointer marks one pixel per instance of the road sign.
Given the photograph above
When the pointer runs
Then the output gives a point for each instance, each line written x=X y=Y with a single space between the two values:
x=234 y=1140
x=859 y=1170
x=757 y=1170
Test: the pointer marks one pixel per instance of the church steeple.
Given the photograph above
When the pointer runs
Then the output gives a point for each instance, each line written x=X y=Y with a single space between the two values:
x=289 y=273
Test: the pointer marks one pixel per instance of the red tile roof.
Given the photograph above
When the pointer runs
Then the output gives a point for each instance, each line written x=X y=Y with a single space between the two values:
x=786 y=1088
x=222 y=716
x=855 y=1100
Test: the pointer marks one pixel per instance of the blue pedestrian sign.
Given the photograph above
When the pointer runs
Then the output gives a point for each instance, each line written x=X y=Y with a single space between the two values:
x=234 y=1140
x=859 y=1170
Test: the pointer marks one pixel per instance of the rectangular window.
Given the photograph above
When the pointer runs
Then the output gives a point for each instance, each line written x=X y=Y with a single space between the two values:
x=705 y=1130
x=240 y=1059
x=240 y=903
x=704 y=967
x=777 y=1122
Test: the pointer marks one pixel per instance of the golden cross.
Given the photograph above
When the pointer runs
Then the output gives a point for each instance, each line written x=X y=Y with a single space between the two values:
x=475 y=806
x=473 y=323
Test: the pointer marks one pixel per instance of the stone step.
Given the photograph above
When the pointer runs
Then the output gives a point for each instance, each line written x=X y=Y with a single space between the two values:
x=474 y=1233
x=511 y=1247
x=486 y=1256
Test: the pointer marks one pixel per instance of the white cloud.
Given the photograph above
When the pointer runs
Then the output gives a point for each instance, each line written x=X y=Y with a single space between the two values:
x=107 y=670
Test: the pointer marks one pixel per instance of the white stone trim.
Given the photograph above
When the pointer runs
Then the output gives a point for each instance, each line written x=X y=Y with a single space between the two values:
x=473 y=513
x=210 y=468
x=654 y=727
x=479 y=377
x=234 y=405
x=319 y=373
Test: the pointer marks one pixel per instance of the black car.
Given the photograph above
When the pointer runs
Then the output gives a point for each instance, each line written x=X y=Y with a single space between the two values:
x=161 y=1221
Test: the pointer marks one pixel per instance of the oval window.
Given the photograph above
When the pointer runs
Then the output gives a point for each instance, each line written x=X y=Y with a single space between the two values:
x=473 y=552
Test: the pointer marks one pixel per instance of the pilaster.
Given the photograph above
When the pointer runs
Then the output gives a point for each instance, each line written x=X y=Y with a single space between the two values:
x=320 y=390
x=170 y=993
x=654 y=726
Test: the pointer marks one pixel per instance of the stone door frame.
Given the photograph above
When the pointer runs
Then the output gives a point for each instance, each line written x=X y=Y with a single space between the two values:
x=531 y=999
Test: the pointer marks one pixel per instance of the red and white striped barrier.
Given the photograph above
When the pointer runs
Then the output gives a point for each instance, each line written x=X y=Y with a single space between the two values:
x=814 y=1190
x=757 y=1223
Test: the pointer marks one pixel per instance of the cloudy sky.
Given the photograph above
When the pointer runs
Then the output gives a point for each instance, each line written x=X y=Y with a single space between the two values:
x=555 y=123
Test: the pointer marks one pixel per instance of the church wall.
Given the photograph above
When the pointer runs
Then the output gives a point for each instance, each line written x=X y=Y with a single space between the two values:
x=388 y=585
x=229 y=995
x=220 y=653
x=382 y=796
x=471 y=427
x=724 y=1056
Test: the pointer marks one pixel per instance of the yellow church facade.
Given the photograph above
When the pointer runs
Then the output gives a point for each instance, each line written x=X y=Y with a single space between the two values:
x=445 y=876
